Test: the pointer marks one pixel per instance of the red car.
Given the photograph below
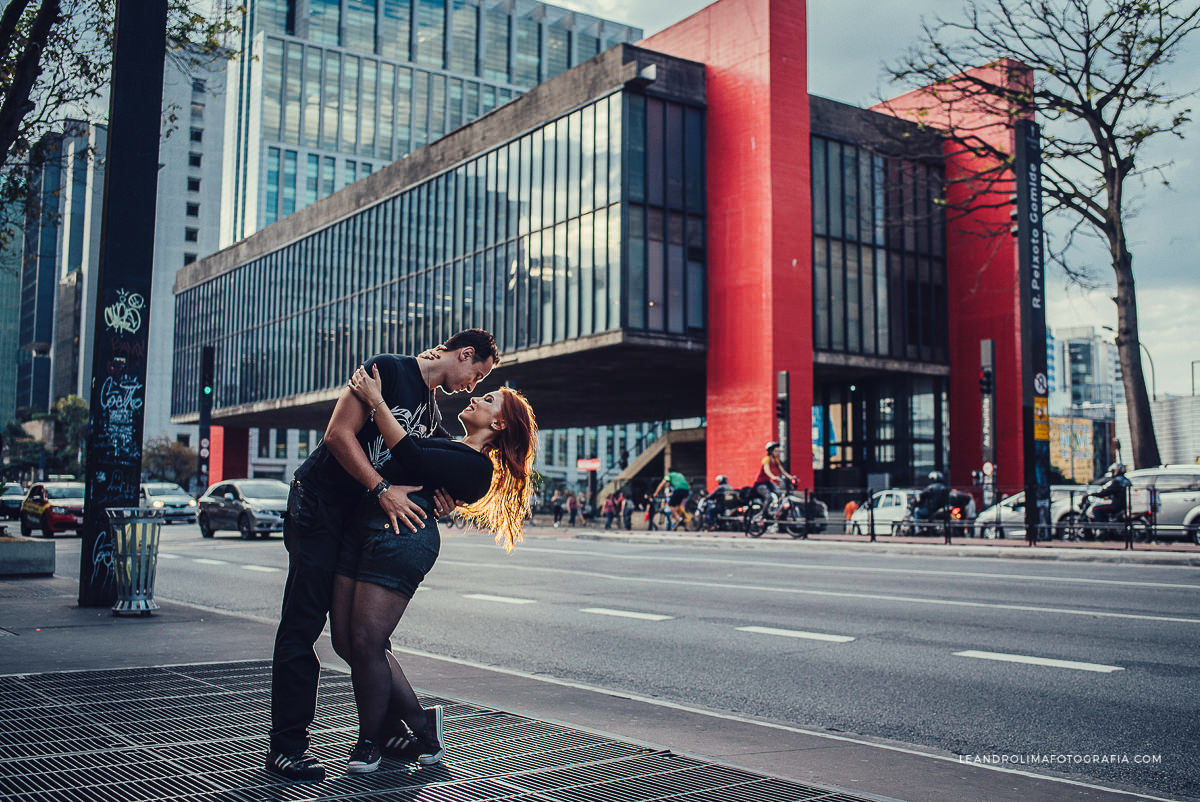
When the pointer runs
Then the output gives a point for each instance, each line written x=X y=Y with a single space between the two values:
x=52 y=507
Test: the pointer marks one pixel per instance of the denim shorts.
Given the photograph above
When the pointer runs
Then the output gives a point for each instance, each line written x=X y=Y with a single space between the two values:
x=398 y=561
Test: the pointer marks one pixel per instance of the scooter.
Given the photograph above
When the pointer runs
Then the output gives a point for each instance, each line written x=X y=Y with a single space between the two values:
x=954 y=512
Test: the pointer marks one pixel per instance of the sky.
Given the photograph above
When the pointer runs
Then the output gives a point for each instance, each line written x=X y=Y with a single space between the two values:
x=849 y=41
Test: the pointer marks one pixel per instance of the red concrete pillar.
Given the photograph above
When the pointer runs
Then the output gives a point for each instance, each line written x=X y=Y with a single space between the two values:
x=983 y=280
x=759 y=224
x=230 y=454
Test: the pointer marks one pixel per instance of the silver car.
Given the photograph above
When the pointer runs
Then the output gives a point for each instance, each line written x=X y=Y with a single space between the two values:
x=883 y=510
x=1176 y=497
x=1007 y=519
x=176 y=504
x=253 y=507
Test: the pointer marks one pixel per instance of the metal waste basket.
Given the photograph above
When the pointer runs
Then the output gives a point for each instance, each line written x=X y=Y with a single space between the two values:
x=135 y=533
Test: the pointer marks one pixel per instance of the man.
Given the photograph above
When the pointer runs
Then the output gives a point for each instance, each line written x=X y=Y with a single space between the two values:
x=933 y=497
x=679 y=493
x=326 y=489
x=1115 y=491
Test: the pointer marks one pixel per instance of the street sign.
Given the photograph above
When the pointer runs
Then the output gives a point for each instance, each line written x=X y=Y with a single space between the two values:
x=592 y=464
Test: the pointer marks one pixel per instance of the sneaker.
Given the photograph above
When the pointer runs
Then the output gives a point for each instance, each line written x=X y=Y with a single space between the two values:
x=301 y=766
x=431 y=739
x=364 y=758
x=401 y=746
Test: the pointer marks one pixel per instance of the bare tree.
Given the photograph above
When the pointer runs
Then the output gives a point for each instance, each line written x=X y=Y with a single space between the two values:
x=1090 y=71
x=55 y=62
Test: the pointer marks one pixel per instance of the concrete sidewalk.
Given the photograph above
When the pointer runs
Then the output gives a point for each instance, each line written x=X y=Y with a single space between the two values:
x=201 y=730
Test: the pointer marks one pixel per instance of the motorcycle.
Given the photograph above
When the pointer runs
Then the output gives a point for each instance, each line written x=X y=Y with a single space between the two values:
x=790 y=511
x=953 y=512
x=1092 y=524
x=724 y=511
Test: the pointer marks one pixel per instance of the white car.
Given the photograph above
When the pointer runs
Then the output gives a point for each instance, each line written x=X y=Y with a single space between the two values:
x=1007 y=519
x=882 y=509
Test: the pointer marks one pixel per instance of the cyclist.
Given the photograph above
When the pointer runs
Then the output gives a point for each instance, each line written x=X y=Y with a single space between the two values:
x=771 y=473
x=679 y=493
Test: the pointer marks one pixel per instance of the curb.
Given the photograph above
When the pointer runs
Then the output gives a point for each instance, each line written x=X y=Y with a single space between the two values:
x=919 y=549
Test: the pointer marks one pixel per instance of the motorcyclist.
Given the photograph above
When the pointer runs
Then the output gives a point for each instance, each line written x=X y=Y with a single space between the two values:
x=933 y=497
x=723 y=485
x=1115 y=491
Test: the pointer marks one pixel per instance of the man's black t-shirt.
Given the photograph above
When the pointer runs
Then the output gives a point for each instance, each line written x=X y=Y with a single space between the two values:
x=412 y=404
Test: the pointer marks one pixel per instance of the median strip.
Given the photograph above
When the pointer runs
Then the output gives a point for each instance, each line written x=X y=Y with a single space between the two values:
x=500 y=599
x=1099 y=668
x=626 y=614
x=795 y=633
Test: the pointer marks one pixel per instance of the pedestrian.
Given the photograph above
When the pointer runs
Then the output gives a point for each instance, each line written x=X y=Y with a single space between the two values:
x=556 y=502
x=627 y=511
x=572 y=508
x=609 y=509
x=849 y=510
x=325 y=492
x=489 y=472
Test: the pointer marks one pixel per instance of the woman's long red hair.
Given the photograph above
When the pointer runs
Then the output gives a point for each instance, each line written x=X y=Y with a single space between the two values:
x=506 y=504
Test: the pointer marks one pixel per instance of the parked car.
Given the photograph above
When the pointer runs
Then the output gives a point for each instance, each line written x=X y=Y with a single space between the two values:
x=177 y=504
x=11 y=499
x=884 y=509
x=1007 y=518
x=52 y=507
x=253 y=507
x=1177 y=499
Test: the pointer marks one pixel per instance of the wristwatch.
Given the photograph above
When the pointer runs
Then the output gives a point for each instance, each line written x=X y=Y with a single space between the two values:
x=381 y=488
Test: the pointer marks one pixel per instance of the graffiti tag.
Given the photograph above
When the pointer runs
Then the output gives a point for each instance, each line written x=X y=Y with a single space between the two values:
x=103 y=560
x=125 y=314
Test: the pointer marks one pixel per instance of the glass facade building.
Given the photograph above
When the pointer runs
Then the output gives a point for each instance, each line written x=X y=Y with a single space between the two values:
x=880 y=317
x=583 y=224
x=329 y=91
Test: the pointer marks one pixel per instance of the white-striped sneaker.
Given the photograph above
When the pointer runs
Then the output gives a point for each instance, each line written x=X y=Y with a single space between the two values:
x=301 y=766
x=364 y=758
x=431 y=739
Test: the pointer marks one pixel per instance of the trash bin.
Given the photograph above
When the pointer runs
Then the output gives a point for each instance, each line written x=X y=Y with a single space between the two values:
x=135 y=556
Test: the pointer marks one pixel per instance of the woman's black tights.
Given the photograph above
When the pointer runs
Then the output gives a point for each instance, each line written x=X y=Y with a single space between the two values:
x=381 y=691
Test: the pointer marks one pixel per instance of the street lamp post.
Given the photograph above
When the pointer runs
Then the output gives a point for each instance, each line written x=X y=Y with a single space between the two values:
x=1150 y=359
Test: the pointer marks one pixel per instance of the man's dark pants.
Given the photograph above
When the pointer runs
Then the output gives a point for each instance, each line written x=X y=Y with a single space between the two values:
x=311 y=533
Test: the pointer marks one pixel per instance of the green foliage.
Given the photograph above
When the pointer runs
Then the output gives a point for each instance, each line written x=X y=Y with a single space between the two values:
x=64 y=453
x=167 y=460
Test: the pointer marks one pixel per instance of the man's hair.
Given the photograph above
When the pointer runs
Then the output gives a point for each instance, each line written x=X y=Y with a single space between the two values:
x=481 y=340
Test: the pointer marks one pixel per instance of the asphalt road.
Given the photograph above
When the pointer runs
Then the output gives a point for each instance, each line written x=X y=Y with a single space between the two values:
x=950 y=654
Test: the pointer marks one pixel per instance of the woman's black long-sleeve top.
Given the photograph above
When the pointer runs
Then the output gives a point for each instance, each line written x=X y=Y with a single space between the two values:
x=434 y=463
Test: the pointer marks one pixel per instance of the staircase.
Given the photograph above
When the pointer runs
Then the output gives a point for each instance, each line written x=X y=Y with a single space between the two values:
x=675 y=449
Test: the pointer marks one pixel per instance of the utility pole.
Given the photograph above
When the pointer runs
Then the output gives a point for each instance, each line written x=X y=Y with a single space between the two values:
x=121 y=333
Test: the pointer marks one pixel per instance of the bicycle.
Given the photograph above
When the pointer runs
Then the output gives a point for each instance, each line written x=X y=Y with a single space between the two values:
x=663 y=518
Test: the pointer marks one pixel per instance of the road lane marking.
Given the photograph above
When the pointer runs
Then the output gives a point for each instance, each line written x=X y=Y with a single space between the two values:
x=266 y=569
x=165 y=556
x=625 y=579
x=795 y=633
x=500 y=599
x=626 y=614
x=865 y=569
x=206 y=561
x=658 y=702
x=1099 y=668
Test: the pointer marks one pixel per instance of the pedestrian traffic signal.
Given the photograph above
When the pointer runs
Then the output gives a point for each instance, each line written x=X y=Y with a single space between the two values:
x=987 y=381
x=781 y=408
x=206 y=389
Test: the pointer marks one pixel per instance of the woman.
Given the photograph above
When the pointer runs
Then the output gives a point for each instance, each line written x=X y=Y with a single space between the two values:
x=489 y=473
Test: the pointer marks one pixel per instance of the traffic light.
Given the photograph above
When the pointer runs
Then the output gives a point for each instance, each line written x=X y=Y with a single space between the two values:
x=987 y=381
x=781 y=408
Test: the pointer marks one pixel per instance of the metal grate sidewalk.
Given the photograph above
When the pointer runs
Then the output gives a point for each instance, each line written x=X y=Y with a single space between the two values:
x=198 y=733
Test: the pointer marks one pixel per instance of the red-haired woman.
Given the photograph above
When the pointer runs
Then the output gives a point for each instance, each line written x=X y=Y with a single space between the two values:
x=489 y=473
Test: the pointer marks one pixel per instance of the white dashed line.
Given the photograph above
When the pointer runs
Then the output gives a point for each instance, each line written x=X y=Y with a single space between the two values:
x=206 y=561
x=162 y=555
x=1040 y=661
x=266 y=569
x=500 y=599
x=795 y=633
x=626 y=614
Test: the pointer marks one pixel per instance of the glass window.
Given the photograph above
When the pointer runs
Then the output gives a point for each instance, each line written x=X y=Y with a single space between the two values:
x=193 y=210
x=193 y=184
x=573 y=159
x=837 y=296
x=367 y=108
x=655 y=156
x=191 y=234
x=350 y=106
x=615 y=149
x=558 y=51
x=587 y=174
x=464 y=28
x=495 y=48
x=350 y=172
x=394 y=29
x=420 y=95
x=194 y=159
x=636 y=160
x=403 y=110
x=674 y=155
x=387 y=88
x=526 y=49
x=312 y=96
x=328 y=170
x=675 y=273
x=437 y=106
x=289 y=183
x=358 y=25
x=695 y=272
x=331 y=91
x=311 y=179
x=637 y=267
x=853 y=340
x=586 y=47
x=655 y=269
x=323 y=21
x=272 y=78
x=850 y=191
x=587 y=276
x=454 y=114
x=472 y=101
x=835 y=189
x=820 y=189
x=431 y=32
